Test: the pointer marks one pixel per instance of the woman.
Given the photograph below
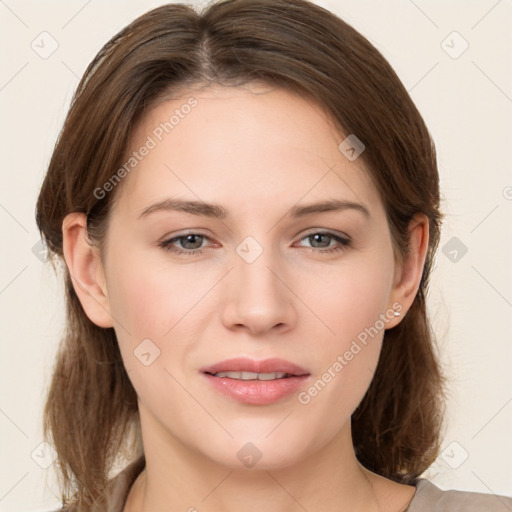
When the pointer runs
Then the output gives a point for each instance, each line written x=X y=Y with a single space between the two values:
x=247 y=204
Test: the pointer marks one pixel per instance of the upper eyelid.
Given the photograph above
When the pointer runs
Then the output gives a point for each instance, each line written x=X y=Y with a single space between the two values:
x=313 y=231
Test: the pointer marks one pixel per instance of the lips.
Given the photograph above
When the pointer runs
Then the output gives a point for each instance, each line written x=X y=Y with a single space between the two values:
x=249 y=365
x=256 y=382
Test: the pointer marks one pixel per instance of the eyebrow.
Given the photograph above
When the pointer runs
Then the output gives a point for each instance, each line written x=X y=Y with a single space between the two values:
x=216 y=211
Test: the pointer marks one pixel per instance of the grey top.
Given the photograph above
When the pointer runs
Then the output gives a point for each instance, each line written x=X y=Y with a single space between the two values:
x=427 y=498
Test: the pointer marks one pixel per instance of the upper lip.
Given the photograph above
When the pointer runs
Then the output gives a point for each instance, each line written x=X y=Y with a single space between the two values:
x=243 y=364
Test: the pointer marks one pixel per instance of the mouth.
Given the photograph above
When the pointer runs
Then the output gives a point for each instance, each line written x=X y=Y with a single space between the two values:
x=252 y=375
x=256 y=382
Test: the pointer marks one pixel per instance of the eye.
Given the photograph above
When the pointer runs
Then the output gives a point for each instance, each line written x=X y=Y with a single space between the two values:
x=321 y=241
x=192 y=243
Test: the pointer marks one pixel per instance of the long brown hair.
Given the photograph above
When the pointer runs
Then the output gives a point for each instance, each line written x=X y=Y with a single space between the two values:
x=91 y=411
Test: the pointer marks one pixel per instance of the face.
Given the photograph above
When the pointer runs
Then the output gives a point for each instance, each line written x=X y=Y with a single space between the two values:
x=215 y=252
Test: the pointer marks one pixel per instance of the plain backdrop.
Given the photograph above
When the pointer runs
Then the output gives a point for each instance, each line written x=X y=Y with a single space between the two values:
x=454 y=58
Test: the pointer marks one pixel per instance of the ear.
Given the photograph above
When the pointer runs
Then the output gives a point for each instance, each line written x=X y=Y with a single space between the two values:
x=409 y=271
x=86 y=269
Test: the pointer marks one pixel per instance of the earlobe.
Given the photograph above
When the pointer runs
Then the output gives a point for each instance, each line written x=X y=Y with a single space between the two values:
x=86 y=269
x=410 y=270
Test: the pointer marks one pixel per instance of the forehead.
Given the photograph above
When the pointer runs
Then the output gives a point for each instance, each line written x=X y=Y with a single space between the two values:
x=243 y=146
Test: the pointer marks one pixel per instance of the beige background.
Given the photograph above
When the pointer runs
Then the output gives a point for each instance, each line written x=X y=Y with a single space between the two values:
x=467 y=104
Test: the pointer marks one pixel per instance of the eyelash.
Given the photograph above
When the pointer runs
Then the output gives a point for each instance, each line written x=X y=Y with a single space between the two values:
x=342 y=241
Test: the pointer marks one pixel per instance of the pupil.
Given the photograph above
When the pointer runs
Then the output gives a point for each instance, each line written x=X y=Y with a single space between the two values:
x=318 y=236
x=190 y=239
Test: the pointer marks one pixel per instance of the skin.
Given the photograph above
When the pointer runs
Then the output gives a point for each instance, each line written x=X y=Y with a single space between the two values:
x=257 y=152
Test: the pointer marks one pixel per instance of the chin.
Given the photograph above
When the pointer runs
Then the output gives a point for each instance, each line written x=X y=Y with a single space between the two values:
x=259 y=453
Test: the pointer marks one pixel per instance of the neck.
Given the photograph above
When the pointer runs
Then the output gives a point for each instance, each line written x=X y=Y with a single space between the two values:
x=329 y=479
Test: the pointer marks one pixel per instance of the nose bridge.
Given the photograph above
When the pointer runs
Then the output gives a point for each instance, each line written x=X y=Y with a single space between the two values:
x=258 y=298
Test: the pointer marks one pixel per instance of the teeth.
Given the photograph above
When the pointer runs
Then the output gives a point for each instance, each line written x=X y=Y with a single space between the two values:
x=251 y=375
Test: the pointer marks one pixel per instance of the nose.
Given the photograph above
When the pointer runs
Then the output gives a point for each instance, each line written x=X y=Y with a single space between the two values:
x=258 y=298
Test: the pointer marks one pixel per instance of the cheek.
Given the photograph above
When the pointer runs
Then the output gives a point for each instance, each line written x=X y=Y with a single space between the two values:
x=147 y=297
x=348 y=300
x=146 y=301
x=157 y=308
x=354 y=309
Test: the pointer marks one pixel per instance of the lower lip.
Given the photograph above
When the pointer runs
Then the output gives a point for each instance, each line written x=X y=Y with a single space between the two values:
x=257 y=392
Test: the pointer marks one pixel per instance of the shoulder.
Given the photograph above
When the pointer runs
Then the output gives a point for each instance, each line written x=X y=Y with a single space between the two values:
x=430 y=498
